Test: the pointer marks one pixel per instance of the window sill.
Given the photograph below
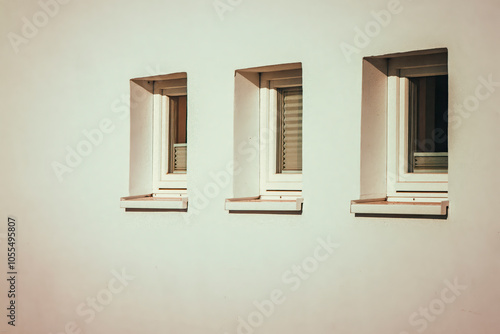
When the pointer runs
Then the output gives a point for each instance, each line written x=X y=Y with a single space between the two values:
x=259 y=205
x=382 y=208
x=150 y=202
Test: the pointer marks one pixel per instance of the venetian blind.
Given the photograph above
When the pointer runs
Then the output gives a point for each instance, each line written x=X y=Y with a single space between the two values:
x=289 y=130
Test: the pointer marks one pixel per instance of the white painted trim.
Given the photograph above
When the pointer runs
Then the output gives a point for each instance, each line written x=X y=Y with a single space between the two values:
x=141 y=135
x=398 y=178
x=246 y=143
x=373 y=173
x=416 y=199
x=154 y=202
x=270 y=181
x=258 y=204
x=384 y=207
x=162 y=179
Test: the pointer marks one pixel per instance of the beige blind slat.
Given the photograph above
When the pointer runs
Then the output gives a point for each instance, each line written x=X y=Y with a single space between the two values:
x=290 y=120
x=180 y=157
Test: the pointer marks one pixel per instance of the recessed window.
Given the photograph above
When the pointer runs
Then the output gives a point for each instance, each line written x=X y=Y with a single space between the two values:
x=417 y=126
x=268 y=140
x=281 y=131
x=170 y=134
x=158 y=143
x=404 y=135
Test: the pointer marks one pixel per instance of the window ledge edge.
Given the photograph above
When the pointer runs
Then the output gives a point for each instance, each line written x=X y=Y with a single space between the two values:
x=148 y=201
x=380 y=207
x=258 y=205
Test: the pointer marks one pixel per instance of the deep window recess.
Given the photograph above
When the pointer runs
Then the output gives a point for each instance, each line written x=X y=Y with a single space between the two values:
x=268 y=142
x=158 y=143
x=404 y=135
x=417 y=127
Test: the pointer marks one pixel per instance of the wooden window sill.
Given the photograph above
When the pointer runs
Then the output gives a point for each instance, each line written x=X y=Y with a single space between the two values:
x=259 y=205
x=383 y=208
x=146 y=202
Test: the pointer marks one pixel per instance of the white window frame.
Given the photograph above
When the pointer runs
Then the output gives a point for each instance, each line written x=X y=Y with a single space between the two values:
x=401 y=185
x=273 y=184
x=256 y=186
x=165 y=182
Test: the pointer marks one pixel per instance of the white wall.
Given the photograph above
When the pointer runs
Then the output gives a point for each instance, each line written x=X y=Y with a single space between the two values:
x=198 y=275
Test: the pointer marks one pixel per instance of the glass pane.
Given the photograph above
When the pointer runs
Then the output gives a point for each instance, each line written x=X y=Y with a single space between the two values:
x=289 y=150
x=178 y=134
x=428 y=124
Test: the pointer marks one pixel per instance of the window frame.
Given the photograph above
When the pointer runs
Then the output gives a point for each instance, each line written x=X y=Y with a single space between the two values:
x=383 y=110
x=400 y=183
x=273 y=183
x=252 y=138
x=145 y=193
x=165 y=182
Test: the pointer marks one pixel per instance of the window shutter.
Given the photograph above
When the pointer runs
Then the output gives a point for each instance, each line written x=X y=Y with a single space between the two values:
x=178 y=131
x=180 y=157
x=290 y=129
